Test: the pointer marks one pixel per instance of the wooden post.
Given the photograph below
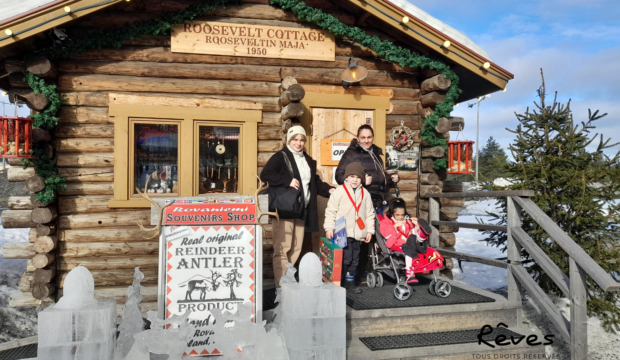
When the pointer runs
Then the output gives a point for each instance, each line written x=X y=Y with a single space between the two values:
x=513 y=253
x=578 y=312
x=433 y=215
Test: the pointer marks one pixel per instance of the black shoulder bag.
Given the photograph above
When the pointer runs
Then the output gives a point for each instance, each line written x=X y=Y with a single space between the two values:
x=287 y=200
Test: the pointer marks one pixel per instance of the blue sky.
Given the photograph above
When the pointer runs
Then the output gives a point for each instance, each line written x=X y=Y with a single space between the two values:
x=576 y=42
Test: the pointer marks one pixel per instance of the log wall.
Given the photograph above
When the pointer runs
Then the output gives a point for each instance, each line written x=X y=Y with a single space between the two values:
x=108 y=241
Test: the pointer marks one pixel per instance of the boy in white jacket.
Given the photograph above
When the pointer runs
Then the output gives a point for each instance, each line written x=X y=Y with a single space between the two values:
x=353 y=202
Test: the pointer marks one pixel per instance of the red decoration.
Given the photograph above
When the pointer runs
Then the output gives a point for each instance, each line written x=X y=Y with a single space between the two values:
x=15 y=137
x=460 y=155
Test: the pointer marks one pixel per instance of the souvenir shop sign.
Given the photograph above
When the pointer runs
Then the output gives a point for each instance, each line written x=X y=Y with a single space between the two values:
x=196 y=212
x=232 y=39
x=209 y=267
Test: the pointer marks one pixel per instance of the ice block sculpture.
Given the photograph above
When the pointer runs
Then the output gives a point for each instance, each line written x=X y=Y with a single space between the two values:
x=132 y=322
x=167 y=336
x=78 y=327
x=313 y=314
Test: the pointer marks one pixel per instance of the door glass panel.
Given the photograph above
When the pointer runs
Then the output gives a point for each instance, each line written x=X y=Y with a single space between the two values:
x=218 y=151
x=156 y=155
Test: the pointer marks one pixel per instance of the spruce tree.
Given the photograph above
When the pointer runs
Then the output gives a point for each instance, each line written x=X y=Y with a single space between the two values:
x=492 y=160
x=577 y=186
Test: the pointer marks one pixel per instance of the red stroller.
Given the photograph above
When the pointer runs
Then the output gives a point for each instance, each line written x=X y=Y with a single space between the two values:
x=392 y=264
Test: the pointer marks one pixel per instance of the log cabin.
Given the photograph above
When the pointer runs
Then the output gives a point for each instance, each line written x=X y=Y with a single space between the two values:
x=162 y=107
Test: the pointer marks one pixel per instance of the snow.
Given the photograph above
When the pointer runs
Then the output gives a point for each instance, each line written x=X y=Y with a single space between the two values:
x=601 y=344
x=12 y=8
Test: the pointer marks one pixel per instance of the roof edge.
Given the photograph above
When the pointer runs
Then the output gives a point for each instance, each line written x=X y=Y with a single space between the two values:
x=31 y=11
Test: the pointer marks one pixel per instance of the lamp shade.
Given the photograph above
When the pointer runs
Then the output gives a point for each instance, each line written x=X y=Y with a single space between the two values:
x=354 y=73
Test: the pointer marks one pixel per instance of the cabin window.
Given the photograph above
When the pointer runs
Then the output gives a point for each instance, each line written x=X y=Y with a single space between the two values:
x=182 y=151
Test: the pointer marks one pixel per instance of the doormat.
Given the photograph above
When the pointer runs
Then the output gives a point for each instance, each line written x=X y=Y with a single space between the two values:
x=383 y=297
x=434 y=339
x=21 y=352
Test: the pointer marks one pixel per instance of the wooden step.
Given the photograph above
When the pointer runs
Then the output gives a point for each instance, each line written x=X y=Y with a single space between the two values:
x=356 y=350
x=433 y=318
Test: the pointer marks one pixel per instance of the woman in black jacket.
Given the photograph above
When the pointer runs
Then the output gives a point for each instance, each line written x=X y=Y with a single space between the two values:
x=288 y=234
x=363 y=150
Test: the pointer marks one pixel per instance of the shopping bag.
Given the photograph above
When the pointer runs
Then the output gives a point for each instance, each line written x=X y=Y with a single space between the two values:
x=340 y=234
x=331 y=260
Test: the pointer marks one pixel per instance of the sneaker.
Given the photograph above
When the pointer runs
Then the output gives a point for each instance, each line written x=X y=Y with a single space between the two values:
x=350 y=277
x=412 y=281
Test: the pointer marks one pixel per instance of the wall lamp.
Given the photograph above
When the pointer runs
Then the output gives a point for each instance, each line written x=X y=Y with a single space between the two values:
x=353 y=73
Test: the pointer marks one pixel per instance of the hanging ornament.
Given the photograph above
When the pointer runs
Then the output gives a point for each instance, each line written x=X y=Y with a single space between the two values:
x=402 y=137
x=220 y=149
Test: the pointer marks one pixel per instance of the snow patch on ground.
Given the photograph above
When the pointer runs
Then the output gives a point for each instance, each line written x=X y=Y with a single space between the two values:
x=480 y=208
x=16 y=323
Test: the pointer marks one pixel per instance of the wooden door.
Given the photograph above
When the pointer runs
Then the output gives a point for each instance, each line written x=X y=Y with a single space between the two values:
x=326 y=122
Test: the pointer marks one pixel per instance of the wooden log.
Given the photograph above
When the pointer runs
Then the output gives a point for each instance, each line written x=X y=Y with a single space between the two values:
x=426 y=112
x=446 y=136
x=37 y=203
x=45 y=229
x=269 y=145
x=432 y=99
x=88 y=188
x=445 y=202
x=406 y=107
x=426 y=165
x=292 y=110
x=84 y=115
x=45 y=244
x=429 y=179
x=44 y=275
x=20 y=202
x=448 y=213
x=448 y=228
x=447 y=239
x=17 y=80
x=67 y=249
x=17 y=219
x=84 y=204
x=42 y=260
x=102 y=220
x=102 y=174
x=79 y=145
x=32 y=235
x=414 y=122
x=269 y=132
x=86 y=160
x=114 y=277
x=452 y=186
x=410 y=197
x=288 y=81
x=97 y=82
x=13 y=65
x=119 y=293
x=402 y=93
x=294 y=93
x=35 y=184
x=33 y=100
x=178 y=71
x=286 y=124
x=263 y=157
x=18 y=250
x=111 y=234
x=26 y=283
x=82 y=131
x=40 y=135
x=435 y=83
x=436 y=152
x=443 y=125
x=41 y=66
x=429 y=189
x=43 y=291
x=43 y=215
x=408 y=185
x=113 y=262
x=457 y=123
x=332 y=77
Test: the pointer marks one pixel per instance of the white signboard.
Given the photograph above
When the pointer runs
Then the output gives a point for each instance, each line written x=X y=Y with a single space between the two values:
x=209 y=267
x=338 y=149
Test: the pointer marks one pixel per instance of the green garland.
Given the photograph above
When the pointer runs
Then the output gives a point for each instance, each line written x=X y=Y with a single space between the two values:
x=46 y=119
x=392 y=53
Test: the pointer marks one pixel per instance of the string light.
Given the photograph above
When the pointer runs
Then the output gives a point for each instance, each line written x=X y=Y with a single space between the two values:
x=405 y=19
x=486 y=65
x=504 y=90
x=3 y=93
x=8 y=32
x=456 y=105
x=446 y=44
x=67 y=9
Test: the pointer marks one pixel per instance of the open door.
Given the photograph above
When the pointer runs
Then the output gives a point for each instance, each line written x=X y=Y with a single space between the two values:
x=332 y=124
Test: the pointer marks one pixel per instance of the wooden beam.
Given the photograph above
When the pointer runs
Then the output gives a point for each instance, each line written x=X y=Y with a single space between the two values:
x=18 y=250
x=597 y=273
x=471 y=226
x=472 y=258
x=516 y=193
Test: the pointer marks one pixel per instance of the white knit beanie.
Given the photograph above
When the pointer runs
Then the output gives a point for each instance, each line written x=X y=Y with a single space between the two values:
x=294 y=131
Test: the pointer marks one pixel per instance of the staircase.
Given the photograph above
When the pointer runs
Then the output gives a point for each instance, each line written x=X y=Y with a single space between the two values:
x=437 y=319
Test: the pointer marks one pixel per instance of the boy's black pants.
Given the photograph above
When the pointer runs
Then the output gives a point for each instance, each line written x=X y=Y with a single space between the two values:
x=350 y=255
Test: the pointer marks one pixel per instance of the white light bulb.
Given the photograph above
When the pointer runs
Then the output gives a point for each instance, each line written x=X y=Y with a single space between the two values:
x=67 y=9
x=456 y=105
x=486 y=65
x=8 y=32
x=446 y=44
x=504 y=90
x=480 y=98
x=405 y=19
x=487 y=96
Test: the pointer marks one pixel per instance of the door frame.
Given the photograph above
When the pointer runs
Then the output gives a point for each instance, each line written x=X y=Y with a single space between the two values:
x=378 y=104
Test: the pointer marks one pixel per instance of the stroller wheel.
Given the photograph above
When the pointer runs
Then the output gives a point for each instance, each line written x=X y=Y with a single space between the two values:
x=431 y=287
x=379 y=279
x=371 y=280
x=443 y=289
x=402 y=292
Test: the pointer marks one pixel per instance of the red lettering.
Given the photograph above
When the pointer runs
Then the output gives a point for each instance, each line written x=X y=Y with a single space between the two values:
x=268 y=31
x=242 y=31
x=259 y=32
x=208 y=39
x=281 y=34
x=321 y=37
x=312 y=36
x=303 y=36
x=224 y=30
x=272 y=43
x=197 y=28
x=301 y=45
x=204 y=29
x=216 y=29
x=229 y=41
x=187 y=27
x=288 y=33
x=234 y=30
x=236 y=41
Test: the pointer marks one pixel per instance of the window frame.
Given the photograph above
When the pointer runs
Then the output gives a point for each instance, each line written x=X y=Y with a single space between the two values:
x=124 y=115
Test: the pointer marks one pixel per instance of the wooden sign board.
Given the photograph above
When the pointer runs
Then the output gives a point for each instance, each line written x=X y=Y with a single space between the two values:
x=233 y=39
x=332 y=151
x=209 y=267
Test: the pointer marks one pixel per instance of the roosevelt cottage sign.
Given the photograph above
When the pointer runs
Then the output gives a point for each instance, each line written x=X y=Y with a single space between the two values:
x=220 y=38
x=214 y=266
